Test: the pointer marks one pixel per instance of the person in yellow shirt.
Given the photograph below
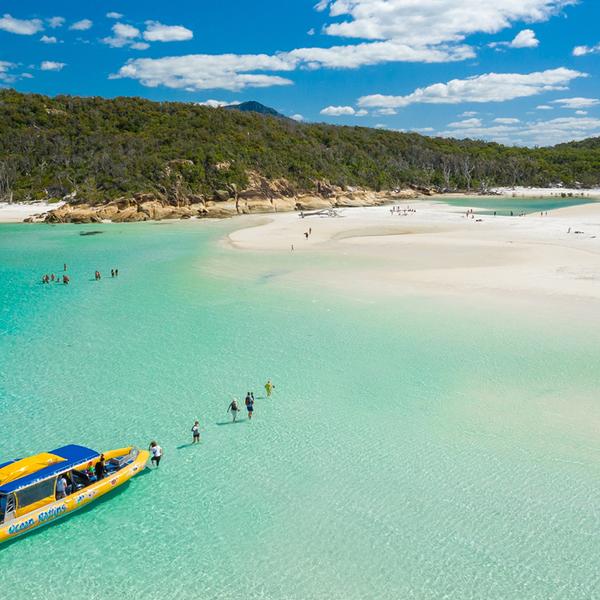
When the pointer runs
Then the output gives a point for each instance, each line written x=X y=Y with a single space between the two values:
x=269 y=387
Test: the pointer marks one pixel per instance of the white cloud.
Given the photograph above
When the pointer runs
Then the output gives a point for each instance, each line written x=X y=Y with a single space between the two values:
x=491 y=87
x=311 y=31
x=421 y=31
x=428 y=22
x=123 y=30
x=506 y=120
x=124 y=35
x=581 y=112
x=338 y=111
x=186 y=72
x=523 y=39
x=55 y=22
x=216 y=103
x=374 y=53
x=539 y=133
x=157 y=32
x=543 y=107
x=386 y=112
x=204 y=71
x=50 y=65
x=466 y=124
x=20 y=26
x=5 y=68
x=26 y=75
x=128 y=35
x=468 y=113
x=298 y=118
x=575 y=103
x=344 y=111
x=583 y=50
x=114 y=15
x=82 y=25
x=48 y=39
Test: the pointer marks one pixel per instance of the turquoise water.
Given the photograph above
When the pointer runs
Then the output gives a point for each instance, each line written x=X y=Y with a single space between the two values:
x=414 y=448
x=503 y=205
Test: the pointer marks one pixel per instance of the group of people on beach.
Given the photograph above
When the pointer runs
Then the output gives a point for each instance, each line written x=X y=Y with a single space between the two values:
x=402 y=210
x=156 y=452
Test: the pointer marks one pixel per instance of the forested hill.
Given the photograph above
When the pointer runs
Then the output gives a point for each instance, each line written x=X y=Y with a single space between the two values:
x=97 y=149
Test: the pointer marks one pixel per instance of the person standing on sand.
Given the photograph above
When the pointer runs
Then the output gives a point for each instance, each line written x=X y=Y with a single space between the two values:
x=156 y=452
x=234 y=409
x=196 y=433
x=269 y=387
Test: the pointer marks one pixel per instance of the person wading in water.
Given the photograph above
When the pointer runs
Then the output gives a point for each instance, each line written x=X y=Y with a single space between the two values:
x=249 y=405
x=196 y=433
x=269 y=387
x=234 y=409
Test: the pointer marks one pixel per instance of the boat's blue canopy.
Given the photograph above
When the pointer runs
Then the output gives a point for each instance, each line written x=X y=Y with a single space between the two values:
x=74 y=455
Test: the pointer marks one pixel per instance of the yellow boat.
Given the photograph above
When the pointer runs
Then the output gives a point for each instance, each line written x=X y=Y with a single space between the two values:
x=39 y=489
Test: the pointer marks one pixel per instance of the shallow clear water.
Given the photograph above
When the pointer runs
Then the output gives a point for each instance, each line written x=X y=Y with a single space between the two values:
x=504 y=205
x=417 y=448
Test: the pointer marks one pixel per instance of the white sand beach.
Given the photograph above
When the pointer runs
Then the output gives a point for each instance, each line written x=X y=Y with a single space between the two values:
x=438 y=249
x=18 y=212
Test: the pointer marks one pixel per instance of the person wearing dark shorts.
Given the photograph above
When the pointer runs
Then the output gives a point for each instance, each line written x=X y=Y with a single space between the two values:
x=249 y=405
x=196 y=433
x=156 y=452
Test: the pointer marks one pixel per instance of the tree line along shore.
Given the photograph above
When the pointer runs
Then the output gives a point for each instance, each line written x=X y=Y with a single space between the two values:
x=134 y=159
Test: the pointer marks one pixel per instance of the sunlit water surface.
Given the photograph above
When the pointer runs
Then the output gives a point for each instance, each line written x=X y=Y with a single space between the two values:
x=415 y=448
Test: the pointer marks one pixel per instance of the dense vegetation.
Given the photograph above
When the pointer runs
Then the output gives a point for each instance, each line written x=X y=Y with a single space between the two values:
x=101 y=149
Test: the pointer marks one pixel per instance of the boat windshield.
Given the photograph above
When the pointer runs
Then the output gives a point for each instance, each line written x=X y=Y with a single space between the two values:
x=2 y=507
x=36 y=493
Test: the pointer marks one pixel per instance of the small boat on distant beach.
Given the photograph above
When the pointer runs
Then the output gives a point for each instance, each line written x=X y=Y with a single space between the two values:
x=39 y=489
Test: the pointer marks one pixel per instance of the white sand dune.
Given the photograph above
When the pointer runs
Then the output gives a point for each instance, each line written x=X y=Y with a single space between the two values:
x=437 y=249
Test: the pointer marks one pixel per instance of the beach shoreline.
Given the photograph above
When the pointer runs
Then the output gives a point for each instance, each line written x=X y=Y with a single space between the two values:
x=36 y=212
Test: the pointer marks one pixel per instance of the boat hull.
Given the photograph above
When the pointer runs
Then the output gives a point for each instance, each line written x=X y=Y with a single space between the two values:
x=60 y=508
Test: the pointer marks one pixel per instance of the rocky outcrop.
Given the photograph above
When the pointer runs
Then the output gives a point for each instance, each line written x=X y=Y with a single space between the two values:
x=261 y=196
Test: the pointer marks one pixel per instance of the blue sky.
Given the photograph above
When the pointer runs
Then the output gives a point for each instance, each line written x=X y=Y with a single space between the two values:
x=515 y=71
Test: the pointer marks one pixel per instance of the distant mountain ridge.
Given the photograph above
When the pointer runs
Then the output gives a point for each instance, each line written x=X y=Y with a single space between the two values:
x=257 y=107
